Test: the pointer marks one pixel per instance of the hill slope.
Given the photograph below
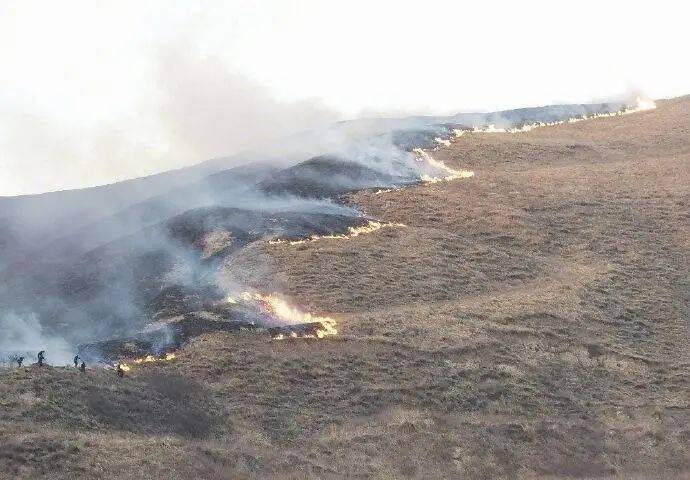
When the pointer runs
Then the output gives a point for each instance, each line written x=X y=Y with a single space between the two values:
x=531 y=321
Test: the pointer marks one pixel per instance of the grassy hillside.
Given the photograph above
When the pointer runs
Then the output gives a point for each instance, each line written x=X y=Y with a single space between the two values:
x=529 y=322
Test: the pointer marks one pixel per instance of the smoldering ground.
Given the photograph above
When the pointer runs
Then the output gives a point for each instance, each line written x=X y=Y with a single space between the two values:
x=161 y=255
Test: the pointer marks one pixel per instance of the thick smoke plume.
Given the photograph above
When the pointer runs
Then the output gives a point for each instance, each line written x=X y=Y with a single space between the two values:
x=23 y=335
x=103 y=263
x=212 y=112
x=198 y=110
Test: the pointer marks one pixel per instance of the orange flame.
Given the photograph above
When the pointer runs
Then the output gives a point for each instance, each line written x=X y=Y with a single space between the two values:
x=147 y=359
x=448 y=173
x=272 y=305
x=641 y=105
x=352 y=232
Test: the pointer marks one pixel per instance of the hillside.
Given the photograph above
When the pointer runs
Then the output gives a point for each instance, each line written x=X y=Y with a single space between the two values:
x=32 y=224
x=528 y=322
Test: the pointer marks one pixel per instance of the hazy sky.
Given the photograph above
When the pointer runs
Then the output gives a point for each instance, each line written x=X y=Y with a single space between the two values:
x=92 y=92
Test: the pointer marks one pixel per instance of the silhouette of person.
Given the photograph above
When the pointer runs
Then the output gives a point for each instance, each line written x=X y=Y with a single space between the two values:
x=120 y=371
x=76 y=361
x=41 y=357
x=82 y=367
x=20 y=360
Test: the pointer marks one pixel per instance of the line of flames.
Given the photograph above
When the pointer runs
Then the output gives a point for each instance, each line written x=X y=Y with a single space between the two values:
x=381 y=191
x=352 y=232
x=274 y=306
x=448 y=173
x=451 y=174
x=277 y=307
x=147 y=359
x=640 y=106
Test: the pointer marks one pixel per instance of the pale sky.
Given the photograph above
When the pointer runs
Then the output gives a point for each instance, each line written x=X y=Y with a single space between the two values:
x=93 y=92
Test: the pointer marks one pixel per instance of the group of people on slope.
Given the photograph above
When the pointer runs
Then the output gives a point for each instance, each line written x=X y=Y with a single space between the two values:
x=41 y=360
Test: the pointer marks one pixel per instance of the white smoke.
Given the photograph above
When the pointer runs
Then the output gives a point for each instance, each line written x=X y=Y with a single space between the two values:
x=197 y=109
x=23 y=335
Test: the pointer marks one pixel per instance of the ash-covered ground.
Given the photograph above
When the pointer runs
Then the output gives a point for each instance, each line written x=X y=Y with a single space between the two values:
x=530 y=321
x=100 y=264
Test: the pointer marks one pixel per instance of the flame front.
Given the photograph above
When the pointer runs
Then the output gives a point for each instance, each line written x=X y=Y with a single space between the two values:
x=352 y=232
x=147 y=359
x=641 y=105
x=644 y=104
x=448 y=173
x=276 y=307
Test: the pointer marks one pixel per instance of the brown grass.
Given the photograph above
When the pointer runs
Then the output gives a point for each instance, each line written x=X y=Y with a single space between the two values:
x=530 y=322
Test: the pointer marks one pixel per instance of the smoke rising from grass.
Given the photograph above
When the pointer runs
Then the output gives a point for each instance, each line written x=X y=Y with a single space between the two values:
x=23 y=335
x=115 y=262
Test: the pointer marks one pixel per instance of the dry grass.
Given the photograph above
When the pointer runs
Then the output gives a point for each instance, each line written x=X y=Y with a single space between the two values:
x=530 y=322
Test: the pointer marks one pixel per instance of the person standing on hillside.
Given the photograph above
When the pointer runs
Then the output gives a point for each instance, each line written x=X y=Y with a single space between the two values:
x=41 y=357
x=20 y=360
x=82 y=367
x=120 y=371
x=76 y=361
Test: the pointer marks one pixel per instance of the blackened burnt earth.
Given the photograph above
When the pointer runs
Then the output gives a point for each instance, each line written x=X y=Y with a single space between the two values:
x=327 y=176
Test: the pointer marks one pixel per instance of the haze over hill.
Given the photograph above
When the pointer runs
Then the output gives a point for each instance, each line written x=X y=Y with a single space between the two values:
x=527 y=321
x=51 y=240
